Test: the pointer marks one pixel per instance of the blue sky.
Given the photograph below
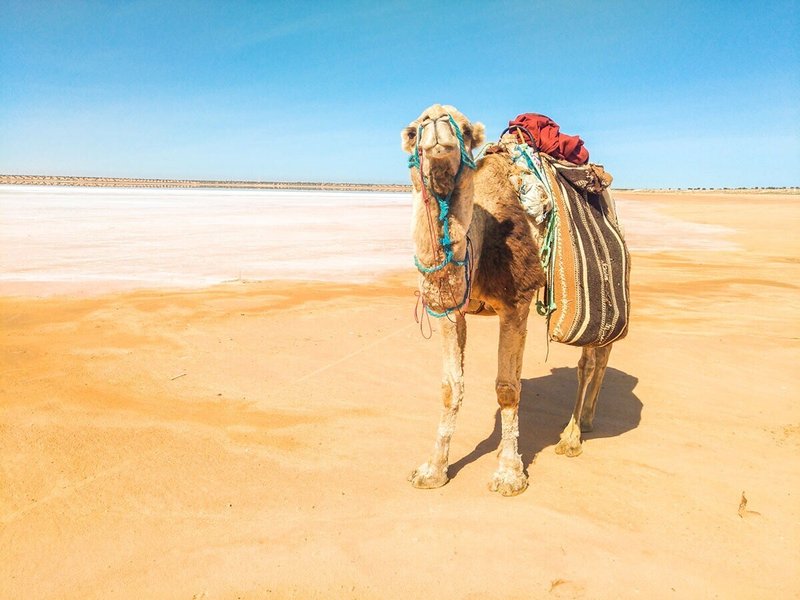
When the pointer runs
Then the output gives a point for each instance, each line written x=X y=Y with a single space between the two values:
x=665 y=94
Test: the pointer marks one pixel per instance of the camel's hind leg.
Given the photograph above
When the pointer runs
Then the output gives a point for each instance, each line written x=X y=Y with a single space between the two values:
x=433 y=473
x=509 y=479
x=591 y=371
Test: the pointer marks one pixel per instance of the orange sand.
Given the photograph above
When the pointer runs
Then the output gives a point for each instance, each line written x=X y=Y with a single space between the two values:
x=253 y=440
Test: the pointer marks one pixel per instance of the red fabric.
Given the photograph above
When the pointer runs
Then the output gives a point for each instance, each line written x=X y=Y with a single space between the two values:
x=548 y=138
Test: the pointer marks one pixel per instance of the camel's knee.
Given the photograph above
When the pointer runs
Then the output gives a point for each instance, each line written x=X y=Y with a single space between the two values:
x=452 y=393
x=507 y=395
x=447 y=394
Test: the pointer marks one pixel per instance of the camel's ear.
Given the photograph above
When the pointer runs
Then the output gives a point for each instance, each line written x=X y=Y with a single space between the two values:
x=478 y=134
x=408 y=138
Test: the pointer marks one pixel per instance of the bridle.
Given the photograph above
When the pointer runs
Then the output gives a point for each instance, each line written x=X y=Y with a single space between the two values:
x=445 y=243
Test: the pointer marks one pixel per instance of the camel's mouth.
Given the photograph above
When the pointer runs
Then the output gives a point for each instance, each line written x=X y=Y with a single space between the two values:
x=441 y=173
x=440 y=163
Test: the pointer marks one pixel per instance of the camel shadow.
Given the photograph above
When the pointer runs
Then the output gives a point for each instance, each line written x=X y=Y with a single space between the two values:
x=546 y=404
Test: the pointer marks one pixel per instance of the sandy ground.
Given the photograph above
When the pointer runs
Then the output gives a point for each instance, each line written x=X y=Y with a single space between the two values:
x=253 y=440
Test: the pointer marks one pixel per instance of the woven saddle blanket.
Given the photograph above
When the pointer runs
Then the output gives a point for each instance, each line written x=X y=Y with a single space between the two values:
x=589 y=267
x=587 y=299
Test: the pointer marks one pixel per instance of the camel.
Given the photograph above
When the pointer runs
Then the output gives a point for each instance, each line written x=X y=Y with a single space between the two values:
x=478 y=253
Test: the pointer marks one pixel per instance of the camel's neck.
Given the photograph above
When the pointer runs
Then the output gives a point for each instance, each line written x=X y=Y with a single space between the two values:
x=427 y=226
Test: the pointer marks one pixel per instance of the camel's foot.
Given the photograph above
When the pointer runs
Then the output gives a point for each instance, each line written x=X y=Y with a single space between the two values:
x=427 y=476
x=586 y=425
x=570 y=442
x=509 y=482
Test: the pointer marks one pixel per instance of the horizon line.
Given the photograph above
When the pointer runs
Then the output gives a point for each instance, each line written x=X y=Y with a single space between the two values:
x=141 y=182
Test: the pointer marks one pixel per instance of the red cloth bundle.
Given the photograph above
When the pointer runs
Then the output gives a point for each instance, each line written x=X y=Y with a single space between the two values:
x=548 y=138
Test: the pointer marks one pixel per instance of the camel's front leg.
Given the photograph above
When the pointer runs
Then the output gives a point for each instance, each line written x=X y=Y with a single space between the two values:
x=591 y=371
x=510 y=479
x=433 y=473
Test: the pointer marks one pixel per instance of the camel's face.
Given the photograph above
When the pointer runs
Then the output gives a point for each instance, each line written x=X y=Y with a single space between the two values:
x=434 y=136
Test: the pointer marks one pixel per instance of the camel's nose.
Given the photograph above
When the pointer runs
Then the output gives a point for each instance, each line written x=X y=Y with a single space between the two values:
x=437 y=139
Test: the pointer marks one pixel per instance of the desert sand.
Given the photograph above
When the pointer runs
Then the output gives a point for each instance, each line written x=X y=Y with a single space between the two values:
x=253 y=439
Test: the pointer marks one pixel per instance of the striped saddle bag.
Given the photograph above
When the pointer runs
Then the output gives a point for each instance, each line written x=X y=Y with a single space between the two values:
x=587 y=300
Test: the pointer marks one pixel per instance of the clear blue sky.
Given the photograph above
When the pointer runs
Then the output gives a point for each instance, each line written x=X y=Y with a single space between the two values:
x=665 y=94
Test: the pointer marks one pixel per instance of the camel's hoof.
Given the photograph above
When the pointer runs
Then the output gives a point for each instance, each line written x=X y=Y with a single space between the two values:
x=427 y=477
x=586 y=427
x=569 y=447
x=570 y=442
x=508 y=482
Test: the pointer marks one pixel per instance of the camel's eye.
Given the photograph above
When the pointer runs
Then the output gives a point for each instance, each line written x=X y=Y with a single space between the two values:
x=467 y=131
x=408 y=138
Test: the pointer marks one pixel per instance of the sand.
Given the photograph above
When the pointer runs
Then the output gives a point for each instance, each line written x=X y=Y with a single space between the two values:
x=252 y=440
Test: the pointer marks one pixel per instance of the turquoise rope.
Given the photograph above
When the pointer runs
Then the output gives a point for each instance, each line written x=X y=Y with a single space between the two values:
x=413 y=160
x=547 y=256
x=547 y=251
x=466 y=157
x=448 y=311
x=446 y=242
x=444 y=211
x=533 y=168
x=444 y=203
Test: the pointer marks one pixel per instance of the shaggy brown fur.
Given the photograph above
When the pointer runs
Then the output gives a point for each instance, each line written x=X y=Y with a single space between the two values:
x=508 y=270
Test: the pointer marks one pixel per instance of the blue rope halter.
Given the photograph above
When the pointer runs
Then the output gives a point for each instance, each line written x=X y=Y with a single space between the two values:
x=444 y=210
x=466 y=157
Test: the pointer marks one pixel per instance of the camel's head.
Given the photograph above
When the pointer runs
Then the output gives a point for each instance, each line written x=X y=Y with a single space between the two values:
x=433 y=136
